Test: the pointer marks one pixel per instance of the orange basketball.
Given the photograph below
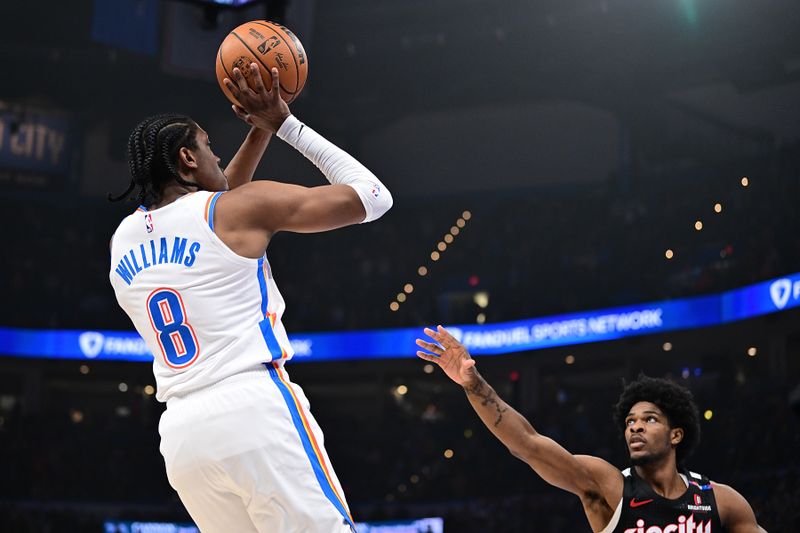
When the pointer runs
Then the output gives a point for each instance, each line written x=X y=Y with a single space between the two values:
x=268 y=45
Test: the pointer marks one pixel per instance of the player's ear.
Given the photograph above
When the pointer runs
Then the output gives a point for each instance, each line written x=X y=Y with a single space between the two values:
x=186 y=158
x=675 y=436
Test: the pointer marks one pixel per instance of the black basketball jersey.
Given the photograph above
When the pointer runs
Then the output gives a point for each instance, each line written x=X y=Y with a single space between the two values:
x=643 y=511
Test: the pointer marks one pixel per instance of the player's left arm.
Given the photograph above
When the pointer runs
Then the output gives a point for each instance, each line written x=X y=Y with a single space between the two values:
x=734 y=511
x=243 y=165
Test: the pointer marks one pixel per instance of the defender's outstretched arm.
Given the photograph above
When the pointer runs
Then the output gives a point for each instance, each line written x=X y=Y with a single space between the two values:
x=595 y=481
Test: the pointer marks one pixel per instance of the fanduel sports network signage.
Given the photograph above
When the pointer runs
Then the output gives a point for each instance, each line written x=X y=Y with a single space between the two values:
x=507 y=337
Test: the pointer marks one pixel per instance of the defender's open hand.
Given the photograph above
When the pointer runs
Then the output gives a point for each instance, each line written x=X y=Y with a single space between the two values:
x=449 y=354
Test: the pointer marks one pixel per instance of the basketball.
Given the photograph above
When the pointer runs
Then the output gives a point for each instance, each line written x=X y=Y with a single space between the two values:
x=269 y=45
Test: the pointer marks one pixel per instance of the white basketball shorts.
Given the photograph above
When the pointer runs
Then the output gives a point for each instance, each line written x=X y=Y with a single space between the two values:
x=246 y=455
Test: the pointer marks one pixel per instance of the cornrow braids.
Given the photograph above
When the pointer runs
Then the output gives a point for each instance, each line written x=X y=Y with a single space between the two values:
x=153 y=148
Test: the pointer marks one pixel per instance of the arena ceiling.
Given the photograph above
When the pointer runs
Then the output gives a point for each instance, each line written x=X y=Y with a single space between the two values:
x=667 y=72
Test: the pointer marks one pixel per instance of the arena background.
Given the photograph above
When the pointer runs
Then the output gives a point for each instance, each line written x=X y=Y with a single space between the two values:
x=573 y=145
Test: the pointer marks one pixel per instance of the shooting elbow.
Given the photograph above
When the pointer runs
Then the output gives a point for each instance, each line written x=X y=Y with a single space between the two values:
x=375 y=197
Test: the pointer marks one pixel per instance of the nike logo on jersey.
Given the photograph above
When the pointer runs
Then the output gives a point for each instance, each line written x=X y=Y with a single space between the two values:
x=634 y=503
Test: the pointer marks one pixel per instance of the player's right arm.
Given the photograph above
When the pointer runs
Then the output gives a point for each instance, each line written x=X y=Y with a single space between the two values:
x=595 y=481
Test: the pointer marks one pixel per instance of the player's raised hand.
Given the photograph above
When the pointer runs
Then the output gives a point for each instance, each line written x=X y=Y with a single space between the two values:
x=260 y=107
x=449 y=354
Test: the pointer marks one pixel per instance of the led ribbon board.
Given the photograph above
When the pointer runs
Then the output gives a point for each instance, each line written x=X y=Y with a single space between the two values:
x=507 y=337
x=422 y=525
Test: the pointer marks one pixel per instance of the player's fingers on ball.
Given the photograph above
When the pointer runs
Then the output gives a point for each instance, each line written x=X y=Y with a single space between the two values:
x=239 y=111
x=231 y=86
x=258 y=82
x=241 y=81
x=276 y=80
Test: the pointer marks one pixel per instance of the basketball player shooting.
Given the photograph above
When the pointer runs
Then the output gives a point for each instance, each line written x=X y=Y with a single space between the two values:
x=661 y=426
x=189 y=268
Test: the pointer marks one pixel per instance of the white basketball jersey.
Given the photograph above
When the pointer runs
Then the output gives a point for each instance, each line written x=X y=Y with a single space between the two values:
x=205 y=312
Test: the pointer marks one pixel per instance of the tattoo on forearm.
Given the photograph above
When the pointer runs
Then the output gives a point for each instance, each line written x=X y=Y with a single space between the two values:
x=487 y=396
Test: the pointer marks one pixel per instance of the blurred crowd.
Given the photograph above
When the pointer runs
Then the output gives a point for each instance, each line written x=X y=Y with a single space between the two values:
x=533 y=252
x=69 y=475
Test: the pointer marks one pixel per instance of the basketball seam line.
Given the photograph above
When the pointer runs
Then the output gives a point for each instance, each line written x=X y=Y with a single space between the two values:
x=227 y=74
x=296 y=65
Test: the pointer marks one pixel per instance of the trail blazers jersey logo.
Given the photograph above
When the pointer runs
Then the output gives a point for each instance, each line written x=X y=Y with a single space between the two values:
x=698 y=505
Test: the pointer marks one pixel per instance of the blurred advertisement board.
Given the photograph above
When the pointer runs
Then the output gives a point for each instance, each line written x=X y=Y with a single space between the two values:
x=422 y=525
x=508 y=337
x=37 y=149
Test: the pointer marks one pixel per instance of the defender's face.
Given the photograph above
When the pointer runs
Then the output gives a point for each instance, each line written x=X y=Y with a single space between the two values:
x=647 y=433
x=209 y=173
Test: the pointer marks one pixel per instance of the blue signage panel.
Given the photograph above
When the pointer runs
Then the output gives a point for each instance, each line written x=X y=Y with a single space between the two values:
x=761 y=298
x=148 y=527
x=507 y=337
x=35 y=142
x=592 y=326
x=129 y=24
x=420 y=525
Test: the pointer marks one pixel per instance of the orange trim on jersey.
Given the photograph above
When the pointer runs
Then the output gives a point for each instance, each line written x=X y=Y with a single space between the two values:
x=311 y=436
x=272 y=318
x=208 y=206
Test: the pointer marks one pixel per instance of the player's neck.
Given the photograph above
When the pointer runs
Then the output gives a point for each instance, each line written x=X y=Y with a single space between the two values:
x=663 y=478
x=171 y=192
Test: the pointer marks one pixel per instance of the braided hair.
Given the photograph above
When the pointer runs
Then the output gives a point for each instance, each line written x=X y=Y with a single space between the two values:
x=153 y=154
x=674 y=400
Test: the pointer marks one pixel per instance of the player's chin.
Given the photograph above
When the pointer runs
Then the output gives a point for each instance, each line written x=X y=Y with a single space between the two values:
x=641 y=457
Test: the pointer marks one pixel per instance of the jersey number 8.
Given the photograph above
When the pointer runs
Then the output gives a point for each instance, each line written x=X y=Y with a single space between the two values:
x=175 y=336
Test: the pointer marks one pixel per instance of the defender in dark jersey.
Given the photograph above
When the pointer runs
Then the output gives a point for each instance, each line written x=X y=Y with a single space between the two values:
x=661 y=425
